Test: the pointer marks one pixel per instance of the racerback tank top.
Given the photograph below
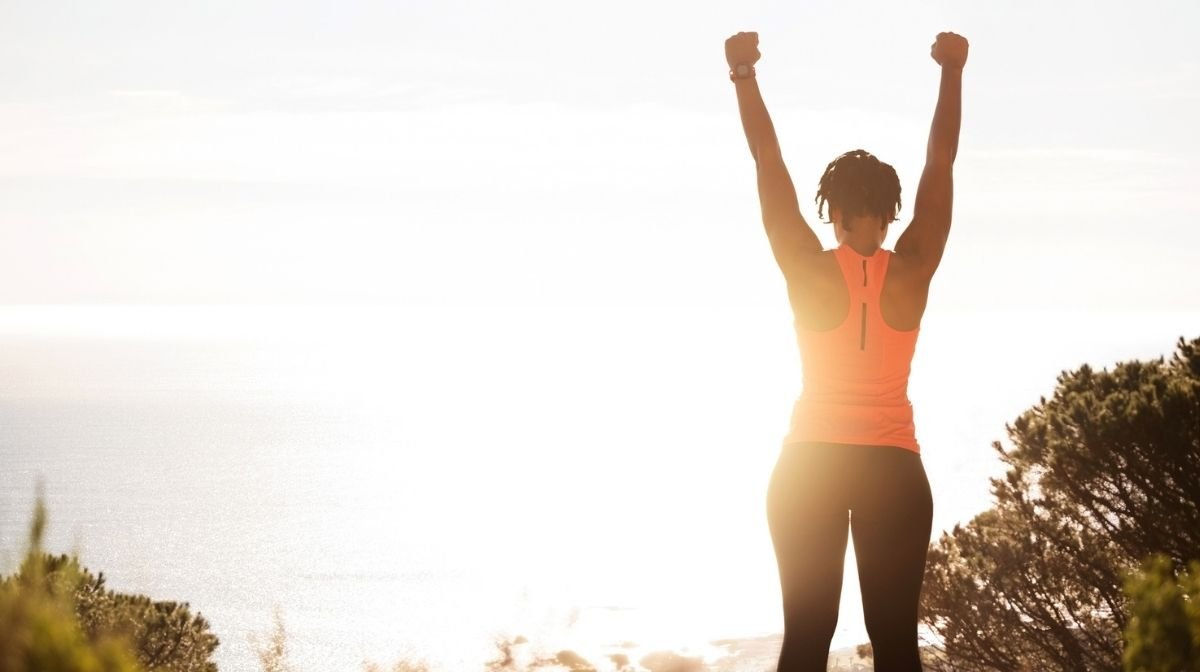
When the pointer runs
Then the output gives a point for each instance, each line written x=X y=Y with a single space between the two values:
x=856 y=374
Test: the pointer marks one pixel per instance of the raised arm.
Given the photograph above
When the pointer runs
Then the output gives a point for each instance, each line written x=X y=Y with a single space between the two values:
x=793 y=242
x=925 y=238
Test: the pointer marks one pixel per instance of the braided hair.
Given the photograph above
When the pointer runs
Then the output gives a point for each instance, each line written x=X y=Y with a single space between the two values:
x=859 y=184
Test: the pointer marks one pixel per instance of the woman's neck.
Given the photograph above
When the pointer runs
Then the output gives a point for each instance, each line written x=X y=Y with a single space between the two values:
x=864 y=248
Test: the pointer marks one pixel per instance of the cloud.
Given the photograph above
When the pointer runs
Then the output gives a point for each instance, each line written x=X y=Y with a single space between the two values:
x=145 y=93
x=1103 y=154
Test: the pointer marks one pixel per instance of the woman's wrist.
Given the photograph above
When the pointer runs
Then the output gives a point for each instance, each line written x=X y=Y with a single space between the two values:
x=741 y=72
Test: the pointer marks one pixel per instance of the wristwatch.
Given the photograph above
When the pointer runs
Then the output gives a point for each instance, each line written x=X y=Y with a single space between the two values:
x=741 y=71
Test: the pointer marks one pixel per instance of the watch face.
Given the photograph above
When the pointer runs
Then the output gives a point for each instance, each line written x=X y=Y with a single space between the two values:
x=743 y=69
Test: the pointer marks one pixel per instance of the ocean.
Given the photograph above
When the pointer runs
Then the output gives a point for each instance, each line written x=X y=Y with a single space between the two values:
x=405 y=482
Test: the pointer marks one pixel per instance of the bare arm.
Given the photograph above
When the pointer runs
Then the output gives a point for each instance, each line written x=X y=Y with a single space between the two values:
x=793 y=242
x=924 y=240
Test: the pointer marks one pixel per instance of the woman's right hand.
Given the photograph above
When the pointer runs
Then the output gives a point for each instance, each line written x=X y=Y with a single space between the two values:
x=949 y=50
x=742 y=49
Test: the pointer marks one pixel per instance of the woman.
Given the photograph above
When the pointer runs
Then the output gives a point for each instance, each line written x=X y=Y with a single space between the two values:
x=851 y=458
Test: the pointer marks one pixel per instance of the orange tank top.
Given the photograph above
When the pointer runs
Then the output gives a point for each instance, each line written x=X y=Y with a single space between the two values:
x=856 y=374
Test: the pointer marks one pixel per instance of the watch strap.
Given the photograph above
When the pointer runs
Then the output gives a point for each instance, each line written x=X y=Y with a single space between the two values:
x=741 y=71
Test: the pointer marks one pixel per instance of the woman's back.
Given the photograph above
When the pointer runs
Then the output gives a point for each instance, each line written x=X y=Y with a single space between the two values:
x=856 y=362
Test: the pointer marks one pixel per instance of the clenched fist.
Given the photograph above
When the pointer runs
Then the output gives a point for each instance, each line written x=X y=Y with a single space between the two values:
x=742 y=49
x=949 y=50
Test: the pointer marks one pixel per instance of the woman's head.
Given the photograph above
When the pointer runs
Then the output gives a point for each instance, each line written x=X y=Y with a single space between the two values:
x=858 y=186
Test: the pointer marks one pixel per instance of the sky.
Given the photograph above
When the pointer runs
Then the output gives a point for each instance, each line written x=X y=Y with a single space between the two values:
x=548 y=153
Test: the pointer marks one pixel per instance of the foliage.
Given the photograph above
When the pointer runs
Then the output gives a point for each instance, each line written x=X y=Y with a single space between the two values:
x=1163 y=631
x=39 y=631
x=272 y=656
x=1100 y=476
x=54 y=595
x=165 y=635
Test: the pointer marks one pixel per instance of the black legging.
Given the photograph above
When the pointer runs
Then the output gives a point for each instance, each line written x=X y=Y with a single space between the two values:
x=815 y=489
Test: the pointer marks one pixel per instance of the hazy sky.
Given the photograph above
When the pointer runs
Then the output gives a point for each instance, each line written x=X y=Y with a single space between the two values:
x=557 y=152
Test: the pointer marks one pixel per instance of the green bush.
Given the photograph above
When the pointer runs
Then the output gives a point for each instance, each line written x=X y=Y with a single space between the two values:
x=1163 y=632
x=56 y=616
x=1103 y=474
x=39 y=631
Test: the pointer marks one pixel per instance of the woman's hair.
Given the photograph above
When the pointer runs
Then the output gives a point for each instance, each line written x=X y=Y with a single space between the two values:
x=857 y=183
